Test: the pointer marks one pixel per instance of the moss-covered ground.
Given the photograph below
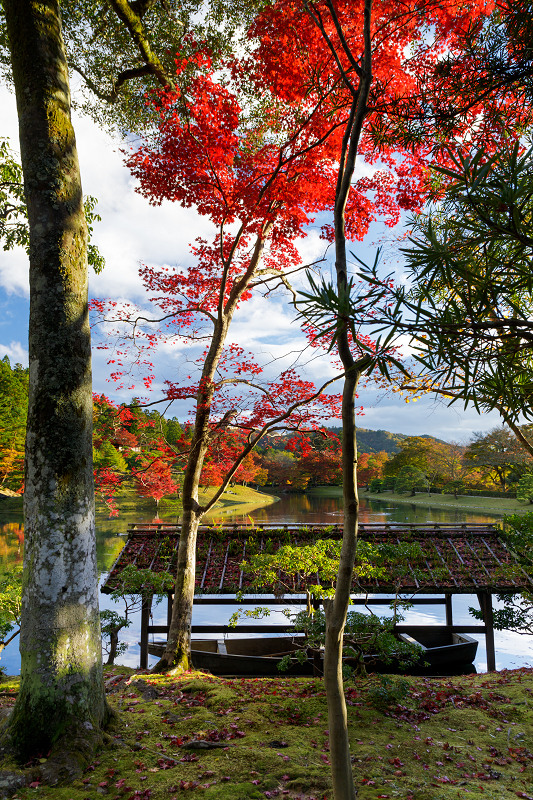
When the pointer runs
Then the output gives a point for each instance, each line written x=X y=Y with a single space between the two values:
x=470 y=737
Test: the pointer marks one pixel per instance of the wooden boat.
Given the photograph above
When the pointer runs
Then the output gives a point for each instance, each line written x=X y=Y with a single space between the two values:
x=443 y=649
x=260 y=656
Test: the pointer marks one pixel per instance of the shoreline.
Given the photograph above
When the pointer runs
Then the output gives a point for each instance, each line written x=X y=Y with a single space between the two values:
x=493 y=506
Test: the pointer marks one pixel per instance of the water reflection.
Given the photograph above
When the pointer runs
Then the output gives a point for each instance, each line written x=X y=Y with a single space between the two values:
x=511 y=649
x=11 y=544
x=108 y=545
x=328 y=509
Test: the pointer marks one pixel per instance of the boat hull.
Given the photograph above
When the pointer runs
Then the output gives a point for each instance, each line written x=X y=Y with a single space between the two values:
x=443 y=653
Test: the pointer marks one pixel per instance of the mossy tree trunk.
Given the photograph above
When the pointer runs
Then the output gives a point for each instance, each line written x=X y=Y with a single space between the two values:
x=61 y=676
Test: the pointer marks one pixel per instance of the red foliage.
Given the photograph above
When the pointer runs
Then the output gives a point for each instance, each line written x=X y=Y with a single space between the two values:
x=152 y=476
x=257 y=155
x=106 y=485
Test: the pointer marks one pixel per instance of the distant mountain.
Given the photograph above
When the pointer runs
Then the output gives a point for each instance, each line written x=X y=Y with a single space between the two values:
x=369 y=441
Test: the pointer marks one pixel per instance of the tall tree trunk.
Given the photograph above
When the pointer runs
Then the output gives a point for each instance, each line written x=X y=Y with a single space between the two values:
x=61 y=689
x=336 y=608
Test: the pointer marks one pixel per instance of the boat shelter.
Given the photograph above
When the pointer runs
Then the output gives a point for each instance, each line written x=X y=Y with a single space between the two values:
x=450 y=560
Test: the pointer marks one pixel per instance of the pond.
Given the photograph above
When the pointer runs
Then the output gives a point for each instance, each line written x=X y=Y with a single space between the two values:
x=512 y=650
x=326 y=506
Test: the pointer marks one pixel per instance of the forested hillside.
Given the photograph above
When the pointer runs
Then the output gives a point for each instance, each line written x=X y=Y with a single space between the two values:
x=13 y=411
x=369 y=441
x=123 y=439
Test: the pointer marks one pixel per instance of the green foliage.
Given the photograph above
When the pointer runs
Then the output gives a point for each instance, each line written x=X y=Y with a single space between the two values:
x=111 y=623
x=389 y=482
x=413 y=452
x=376 y=485
x=94 y=257
x=13 y=221
x=115 y=78
x=388 y=692
x=135 y=581
x=517 y=613
x=453 y=487
x=108 y=456
x=499 y=455
x=524 y=490
x=410 y=479
x=318 y=563
x=10 y=605
x=13 y=412
x=468 y=309
x=320 y=558
x=133 y=584
x=14 y=230
x=368 y=639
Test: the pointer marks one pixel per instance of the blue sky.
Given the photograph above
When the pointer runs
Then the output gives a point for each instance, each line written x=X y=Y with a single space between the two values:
x=132 y=232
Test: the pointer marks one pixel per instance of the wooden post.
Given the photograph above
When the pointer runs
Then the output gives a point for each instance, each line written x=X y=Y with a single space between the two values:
x=449 y=612
x=145 y=621
x=170 y=600
x=485 y=603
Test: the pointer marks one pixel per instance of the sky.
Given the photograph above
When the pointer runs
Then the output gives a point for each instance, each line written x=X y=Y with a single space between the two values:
x=132 y=233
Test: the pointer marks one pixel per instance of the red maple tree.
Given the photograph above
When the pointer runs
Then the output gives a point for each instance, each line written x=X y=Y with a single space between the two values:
x=258 y=154
x=154 y=479
x=260 y=179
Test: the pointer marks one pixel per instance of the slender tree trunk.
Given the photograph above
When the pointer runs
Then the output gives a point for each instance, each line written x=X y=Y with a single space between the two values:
x=336 y=609
x=61 y=691
x=113 y=646
x=178 y=651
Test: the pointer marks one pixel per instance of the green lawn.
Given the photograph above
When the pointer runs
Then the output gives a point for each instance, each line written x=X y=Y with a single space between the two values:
x=491 y=505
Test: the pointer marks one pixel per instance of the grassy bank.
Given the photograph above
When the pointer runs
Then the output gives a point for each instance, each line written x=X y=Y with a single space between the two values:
x=241 y=500
x=471 y=735
x=236 y=500
x=498 y=506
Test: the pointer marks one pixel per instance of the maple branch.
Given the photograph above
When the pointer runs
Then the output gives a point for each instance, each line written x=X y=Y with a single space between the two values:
x=246 y=381
x=342 y=39
x=282 y=280
x=274 y=273
x=240 y=286
x=256 y=439
x=226 y=265
x=317 y=19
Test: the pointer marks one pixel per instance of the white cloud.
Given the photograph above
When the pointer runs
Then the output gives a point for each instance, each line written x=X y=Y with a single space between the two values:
x=132 y=233
x=16 y=353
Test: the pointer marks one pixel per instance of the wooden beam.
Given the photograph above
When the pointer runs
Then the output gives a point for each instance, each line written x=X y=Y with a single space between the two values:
x=485 y=604
x=145 y=624
x=414 y=629
x=449 y=610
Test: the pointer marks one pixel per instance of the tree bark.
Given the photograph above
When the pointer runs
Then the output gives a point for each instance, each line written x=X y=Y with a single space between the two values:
x=336 y=609
x=61 y=689
x=177 y=654
x=178 y=650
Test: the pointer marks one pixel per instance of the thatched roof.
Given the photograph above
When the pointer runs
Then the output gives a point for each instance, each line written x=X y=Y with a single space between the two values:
x=461 y=559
